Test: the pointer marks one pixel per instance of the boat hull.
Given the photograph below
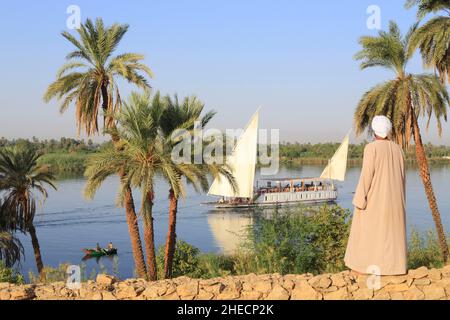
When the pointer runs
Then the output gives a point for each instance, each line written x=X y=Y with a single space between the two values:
x=93 y=253
x=315 y=193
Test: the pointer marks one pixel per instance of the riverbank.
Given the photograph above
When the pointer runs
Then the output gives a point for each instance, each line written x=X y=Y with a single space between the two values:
x=68 y=156
x=355 y=161
x=418 y=284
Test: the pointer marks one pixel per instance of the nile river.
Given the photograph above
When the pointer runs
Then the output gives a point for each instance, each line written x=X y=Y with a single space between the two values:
x=67 y=222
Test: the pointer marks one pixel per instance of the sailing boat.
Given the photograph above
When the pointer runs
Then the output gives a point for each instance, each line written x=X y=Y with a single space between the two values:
x=274 y=191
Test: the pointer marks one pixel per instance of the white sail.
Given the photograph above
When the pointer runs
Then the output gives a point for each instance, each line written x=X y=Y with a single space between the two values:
x=338 y=164
x=242 y=164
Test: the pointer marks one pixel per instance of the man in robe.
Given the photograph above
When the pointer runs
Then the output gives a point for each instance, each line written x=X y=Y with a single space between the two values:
x=377 y=242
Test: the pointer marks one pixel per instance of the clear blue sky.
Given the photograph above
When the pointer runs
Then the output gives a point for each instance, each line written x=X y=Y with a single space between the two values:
x=293 y=58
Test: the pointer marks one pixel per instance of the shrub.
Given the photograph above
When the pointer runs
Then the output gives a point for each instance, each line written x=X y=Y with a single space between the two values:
x=299 y=240
x=332 y=231
x=216 y=265
x=10 y=275
x=424 y=250
x=185 y=260
x=296 y=240
x=65 y=162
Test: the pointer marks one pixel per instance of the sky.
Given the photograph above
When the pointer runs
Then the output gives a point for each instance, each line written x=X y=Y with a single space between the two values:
x=294 y=59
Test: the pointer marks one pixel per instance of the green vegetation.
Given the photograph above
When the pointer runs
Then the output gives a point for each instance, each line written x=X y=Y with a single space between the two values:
x=299 y=240
x=424 y=250
x=69 y=156
x=186 y=260
x=65 y=162
x=320 y=153
x=10 y=275
x=291 y=242
x=11 y=249
x=432 y=38
x=63 y=156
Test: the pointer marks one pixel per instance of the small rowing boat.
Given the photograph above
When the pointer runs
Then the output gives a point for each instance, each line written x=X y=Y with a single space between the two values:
x=93 y=253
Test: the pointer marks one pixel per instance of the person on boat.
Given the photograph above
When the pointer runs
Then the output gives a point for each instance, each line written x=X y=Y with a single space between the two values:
x=110 y=246
x=377 y=242
x=97 y=247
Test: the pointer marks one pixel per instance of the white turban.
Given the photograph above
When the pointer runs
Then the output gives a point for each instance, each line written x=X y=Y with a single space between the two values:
x=381 y=125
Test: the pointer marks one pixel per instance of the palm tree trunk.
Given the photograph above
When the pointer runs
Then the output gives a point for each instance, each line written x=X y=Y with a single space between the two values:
x=133 y=229
x=130 y=211
x=34 y=239
x=37 y=250
x=105 y=105
x=171 y=235
x=149 y=238
x=425 y=175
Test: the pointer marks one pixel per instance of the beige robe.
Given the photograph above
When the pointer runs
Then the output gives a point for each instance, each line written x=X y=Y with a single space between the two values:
x=377 y=241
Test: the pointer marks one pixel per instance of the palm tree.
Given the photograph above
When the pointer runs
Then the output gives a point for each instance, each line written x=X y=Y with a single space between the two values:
x=184 y=116
x=403 y=100
x=141 y=155
x=89 y=80
x=433 y=38
x=21 y=177
x=10 y=248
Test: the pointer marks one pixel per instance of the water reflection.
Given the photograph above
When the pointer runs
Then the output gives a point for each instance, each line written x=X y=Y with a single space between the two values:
x=229 y=228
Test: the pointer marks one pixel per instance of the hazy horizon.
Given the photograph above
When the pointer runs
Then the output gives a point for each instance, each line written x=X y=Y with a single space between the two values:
x=295 y=60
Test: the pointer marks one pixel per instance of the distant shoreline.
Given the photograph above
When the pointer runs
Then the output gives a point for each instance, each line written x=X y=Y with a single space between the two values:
x=352 y=161
x=68 y=156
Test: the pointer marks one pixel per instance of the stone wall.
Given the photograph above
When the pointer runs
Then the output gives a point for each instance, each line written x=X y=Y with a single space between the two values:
x=419 y=284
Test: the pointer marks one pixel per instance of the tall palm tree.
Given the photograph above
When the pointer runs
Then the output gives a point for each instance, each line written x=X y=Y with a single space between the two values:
x=142 y=156
x=184 y=116
x=433 y=38
x=22 y=177
x=89 y=80
x=403 y=99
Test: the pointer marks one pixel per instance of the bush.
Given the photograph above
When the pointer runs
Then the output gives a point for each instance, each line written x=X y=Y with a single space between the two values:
x=299 y=240
x=185 y=260
x=424 y=250
x=332 y=231
x=10 y=275
x=291 y=241
x=65 y=162
x=216 y=265
x=188 y=261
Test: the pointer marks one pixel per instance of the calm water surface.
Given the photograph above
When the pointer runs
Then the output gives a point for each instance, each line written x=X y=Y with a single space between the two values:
x=67 y=222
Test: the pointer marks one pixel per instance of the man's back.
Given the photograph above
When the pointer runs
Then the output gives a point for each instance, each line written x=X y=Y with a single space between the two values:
x=389 y=173
x=378 y=235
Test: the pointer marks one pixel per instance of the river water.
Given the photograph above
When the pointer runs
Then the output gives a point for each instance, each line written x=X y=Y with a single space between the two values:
x=67 y=222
